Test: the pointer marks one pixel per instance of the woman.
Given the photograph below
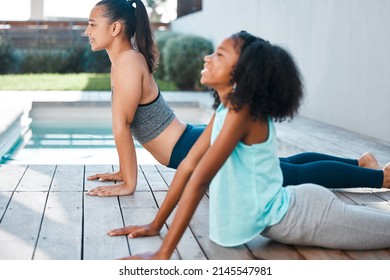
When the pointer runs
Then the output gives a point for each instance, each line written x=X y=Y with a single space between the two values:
x=138 y=110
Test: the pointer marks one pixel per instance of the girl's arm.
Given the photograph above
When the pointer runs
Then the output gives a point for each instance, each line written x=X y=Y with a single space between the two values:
x=127 y=79
x=235 y=128
x=175 y=191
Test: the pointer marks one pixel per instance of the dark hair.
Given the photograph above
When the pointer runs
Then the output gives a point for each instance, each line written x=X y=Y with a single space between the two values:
x=266 y=78
x=135 y=18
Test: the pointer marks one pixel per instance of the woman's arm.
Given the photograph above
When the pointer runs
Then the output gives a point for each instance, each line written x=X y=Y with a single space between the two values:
x=175 y=191
x=127 y=79
x=234 y=129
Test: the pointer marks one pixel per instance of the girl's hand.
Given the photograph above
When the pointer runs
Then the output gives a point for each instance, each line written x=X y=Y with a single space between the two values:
x=136 y=231
x=114 y=176
x=113 y=190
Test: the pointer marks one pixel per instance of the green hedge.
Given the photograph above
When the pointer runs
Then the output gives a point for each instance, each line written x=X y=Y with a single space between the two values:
x=162 y=38
x=7 y=57
x=181 y=59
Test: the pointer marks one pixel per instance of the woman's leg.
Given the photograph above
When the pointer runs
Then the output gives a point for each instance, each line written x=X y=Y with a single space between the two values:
x=316 y=217
x=309 y=157
x=328 y=171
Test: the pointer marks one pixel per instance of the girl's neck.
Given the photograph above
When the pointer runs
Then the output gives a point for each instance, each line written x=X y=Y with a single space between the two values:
x=223 y=94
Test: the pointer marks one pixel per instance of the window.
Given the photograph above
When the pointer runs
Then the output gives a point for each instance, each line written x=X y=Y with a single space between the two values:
x=185 y=7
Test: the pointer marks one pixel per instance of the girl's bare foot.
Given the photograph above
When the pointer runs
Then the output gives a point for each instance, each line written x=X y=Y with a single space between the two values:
x=368 y=160
x=386 y=176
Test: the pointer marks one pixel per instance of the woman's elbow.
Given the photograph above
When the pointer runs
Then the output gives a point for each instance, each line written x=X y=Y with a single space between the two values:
x=118 y=130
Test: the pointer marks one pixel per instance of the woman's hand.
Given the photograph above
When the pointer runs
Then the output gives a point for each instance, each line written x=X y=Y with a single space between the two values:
x=114 y=176
x=113 y=190
x=136 y=231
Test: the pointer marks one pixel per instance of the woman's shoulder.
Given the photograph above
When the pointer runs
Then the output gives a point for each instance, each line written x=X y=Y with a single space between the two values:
x=131 y=59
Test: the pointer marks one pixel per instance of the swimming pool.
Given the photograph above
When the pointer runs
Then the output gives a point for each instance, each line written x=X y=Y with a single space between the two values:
x=80 y=133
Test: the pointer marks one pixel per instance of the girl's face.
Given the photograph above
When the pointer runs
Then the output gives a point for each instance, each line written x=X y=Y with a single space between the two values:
x=98 y=29
x=218 y=67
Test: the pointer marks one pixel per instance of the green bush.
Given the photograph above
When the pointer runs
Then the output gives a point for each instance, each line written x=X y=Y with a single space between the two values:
x=7 y=57
x=96 y=62
x=76 y=59
x=162 y=37
x=73 y=60
x=44 y=61
x=183 y=60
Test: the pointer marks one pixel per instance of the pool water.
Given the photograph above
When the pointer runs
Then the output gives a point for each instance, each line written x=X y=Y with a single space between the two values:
x=68 y=145
x=77 y=134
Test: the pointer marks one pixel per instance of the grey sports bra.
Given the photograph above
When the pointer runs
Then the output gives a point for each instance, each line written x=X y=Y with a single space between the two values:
x=151 y=119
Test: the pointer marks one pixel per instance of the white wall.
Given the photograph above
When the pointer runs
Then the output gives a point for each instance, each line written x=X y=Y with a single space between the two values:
x=341 y=46
x=37 y=8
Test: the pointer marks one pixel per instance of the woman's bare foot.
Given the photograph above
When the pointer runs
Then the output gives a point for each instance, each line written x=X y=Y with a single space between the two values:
x=368 y=160
x=113 y=190
x=386 y=176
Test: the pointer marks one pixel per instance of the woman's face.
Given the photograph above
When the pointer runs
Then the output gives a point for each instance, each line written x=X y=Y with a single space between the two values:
x=218 y=67
x=98 y=29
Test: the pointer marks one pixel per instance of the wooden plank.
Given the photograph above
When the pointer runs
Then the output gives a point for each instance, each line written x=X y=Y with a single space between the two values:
x=188 y=248
x=264 y=248
x=140 y=209
x=140 y=199
x=370 y=254
x=102 y=214
x=142 y=183
x=315 y=253
x=21 y=224
x=68 y=178
x=5 y=198
x=10 y=176
x=140 y=216
x=383 y=193
x=153 y=177
x=167 y=176
x=368 y=199
x=61 y=233
x=37 y=178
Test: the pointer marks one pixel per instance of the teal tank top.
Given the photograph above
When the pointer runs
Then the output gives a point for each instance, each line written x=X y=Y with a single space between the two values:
x=246 y=195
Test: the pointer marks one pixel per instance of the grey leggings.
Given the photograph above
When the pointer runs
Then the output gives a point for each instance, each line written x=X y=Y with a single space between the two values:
x=316 y=217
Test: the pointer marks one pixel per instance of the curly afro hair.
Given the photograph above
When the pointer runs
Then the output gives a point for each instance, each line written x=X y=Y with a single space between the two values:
x=266 y=78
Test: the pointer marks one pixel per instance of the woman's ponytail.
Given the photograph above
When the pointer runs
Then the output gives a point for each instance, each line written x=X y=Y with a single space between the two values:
x=143 y=36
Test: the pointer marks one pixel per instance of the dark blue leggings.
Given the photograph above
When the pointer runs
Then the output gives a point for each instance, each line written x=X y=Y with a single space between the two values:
x=320 y=169
x=328 y=171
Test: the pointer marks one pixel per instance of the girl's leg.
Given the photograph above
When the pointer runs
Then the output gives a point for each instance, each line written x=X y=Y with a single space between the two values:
x=316 y=217
x=328 y=171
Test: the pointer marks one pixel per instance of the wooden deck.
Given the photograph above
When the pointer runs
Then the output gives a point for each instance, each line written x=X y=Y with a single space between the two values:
x=45 y=214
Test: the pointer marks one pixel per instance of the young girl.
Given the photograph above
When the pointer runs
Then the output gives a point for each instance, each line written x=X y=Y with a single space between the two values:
x=256 y=82
x=122 y=28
